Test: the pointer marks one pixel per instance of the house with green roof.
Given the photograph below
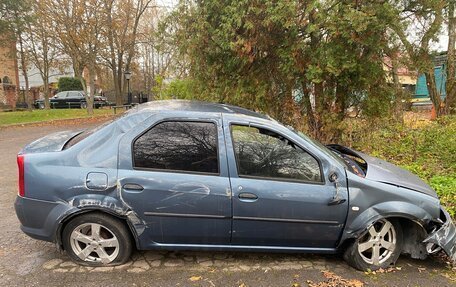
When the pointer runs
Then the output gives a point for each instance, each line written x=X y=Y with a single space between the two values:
x=421 y=96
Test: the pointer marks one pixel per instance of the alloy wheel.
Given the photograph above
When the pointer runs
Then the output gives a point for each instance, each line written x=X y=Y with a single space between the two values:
x=379 y=243
x=93 y=242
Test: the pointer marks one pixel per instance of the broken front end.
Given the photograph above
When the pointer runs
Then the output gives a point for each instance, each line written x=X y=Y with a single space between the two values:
x=442 y=236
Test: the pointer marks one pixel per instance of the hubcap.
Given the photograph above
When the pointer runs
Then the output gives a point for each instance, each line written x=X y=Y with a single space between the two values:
x=94 y=242
x=378 y=244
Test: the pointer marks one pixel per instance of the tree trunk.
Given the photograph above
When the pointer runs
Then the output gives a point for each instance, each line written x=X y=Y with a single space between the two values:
x=118 y=79
x=28 y=98
x=90 y=98
x=451 y=77
x=398 y=107
x=46 y=92
x=433 y=92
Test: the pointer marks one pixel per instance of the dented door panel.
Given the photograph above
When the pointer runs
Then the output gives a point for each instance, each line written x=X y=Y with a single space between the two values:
x=177 y=207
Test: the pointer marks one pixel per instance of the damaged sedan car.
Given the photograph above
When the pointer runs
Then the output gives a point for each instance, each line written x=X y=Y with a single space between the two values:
x=185 y=175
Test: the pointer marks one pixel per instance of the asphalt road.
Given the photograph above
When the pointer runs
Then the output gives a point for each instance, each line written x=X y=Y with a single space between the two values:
x=28 y=262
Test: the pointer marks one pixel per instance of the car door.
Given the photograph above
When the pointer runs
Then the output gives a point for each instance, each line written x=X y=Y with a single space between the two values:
x=173 y=174
x=59 y=100
x=73 y=100
x=281 y=192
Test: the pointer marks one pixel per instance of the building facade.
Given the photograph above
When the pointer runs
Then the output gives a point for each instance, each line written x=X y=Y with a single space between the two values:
x=9 y=74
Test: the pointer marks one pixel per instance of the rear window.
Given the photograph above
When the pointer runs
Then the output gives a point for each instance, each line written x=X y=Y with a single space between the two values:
x=84 y=134
x=178 y=146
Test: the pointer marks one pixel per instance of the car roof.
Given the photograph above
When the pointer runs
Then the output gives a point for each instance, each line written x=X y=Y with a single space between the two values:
x=196 y=106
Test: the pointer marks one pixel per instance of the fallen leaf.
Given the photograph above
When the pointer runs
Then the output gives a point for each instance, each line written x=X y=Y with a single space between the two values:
x=335 y=281
x=195 y=278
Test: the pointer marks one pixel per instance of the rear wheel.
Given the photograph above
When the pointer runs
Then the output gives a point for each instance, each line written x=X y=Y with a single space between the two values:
x=83 y=105
x=379 y=247
x=97 y=239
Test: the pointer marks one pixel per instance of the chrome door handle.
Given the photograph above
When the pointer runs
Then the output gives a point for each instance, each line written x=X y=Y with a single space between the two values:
x=133 y=186
x=247 y=196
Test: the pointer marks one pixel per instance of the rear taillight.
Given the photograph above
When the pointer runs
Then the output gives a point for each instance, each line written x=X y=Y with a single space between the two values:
x=20 y=166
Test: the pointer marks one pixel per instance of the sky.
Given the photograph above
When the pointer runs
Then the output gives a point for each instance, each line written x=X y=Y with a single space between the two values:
x=442 y=45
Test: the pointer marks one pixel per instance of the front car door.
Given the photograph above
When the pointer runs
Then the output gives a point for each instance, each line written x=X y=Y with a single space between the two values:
x=59 y=100
x=174 y=175
x=281 y=191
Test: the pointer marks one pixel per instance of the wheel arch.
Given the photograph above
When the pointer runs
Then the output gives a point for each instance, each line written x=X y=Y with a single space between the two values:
x=406 y=213
x=413 y=232
x=95 y=209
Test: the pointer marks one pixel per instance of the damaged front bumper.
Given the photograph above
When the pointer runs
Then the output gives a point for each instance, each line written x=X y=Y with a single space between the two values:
x=445 y=236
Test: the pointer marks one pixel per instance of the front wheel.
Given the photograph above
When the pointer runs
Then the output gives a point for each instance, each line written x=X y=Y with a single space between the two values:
x=379 y=247
x=95 y=239
x=83 y=105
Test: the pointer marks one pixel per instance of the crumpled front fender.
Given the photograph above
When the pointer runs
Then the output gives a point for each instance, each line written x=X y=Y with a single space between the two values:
x=445 y=236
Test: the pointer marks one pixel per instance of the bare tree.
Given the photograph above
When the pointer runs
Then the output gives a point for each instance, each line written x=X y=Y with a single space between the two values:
x=451 y=73
x=123 y=18
x=79 y=28
x=41 y=45
x=155 y=55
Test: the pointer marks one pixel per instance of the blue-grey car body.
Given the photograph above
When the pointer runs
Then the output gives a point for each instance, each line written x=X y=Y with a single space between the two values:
x=177 y=210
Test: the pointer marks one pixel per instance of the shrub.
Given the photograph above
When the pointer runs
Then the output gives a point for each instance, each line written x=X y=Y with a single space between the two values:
x=69 y=84
x=427 y=149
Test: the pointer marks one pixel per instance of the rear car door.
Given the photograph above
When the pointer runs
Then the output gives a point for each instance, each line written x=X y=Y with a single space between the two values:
x=74 y=99
x=173 y=174
x=281 y=192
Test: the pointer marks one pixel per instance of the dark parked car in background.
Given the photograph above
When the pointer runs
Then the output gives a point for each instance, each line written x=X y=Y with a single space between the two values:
x=196 y=175
x=71 y=99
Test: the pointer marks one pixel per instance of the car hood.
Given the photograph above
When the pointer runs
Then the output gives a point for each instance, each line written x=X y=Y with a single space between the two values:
x=50 y=143
x=385 y=172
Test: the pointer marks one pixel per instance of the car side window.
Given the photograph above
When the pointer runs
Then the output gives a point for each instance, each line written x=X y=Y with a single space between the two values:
x=61 y=95
x=178 y=146
x=266 y=154
x=74 y=95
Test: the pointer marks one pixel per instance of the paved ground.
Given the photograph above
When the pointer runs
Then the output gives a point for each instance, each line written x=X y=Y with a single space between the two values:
x=27 y=262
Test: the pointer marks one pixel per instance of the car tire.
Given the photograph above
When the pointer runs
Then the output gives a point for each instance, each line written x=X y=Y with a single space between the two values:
x=41 y=106
x=385 y=236
x=83 y=105
x=97 y=239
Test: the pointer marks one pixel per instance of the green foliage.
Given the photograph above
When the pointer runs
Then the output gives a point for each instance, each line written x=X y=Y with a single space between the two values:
x=427 y=150
x=69 y=84
x=14 y=15
x=257 y=54
x=178 y=89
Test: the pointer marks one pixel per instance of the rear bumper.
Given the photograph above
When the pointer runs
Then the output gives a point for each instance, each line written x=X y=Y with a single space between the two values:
x=40 y=219
x=445 y=236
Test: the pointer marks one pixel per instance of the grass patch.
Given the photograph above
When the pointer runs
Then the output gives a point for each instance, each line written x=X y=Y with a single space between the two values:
x=428 y=150
x=22 y=117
